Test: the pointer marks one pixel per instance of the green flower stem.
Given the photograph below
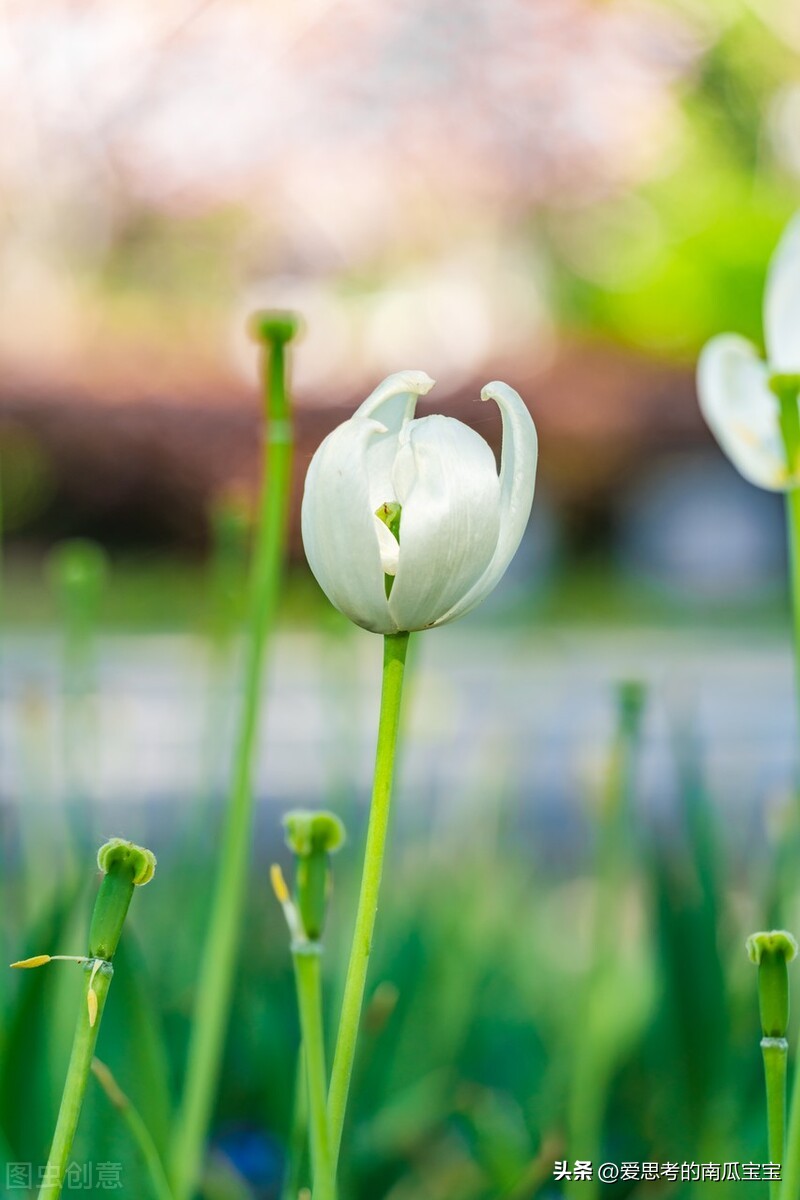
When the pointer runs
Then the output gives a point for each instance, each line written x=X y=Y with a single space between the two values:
x=775 y=1055
x=137 y=1128
x=308 y=978
x=394 y=659
x=793 y=537
x=218 y=961
x=787 y=388
x=787 y=393
x=110 y=910
x=75 y=1088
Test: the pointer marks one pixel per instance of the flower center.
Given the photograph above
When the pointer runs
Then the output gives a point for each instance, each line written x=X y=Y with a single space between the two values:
x=389 y=514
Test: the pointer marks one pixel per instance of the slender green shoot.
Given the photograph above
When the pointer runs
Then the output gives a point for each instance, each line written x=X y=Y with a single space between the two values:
x=125 y=867
x=312 y=837
x=137 y=1128
x=591 y=1066
x=219 y=954
x=308 y=978
x=787 y=389
x=394 y=659
x=298 y=1134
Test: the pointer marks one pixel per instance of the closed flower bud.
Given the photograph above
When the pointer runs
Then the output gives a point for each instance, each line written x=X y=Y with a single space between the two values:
x=125 y=866
x=313 y=837
x=406 y=524
x=771 y=952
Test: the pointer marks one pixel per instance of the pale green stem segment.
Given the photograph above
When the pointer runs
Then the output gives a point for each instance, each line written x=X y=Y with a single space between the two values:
x=110 y=910
x=308 y=979
x=218 y=960
x=775 y=1052
x=394 y=659
x=137 y=1128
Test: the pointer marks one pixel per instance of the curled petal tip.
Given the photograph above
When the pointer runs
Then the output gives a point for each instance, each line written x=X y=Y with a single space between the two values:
x=418 y=381
x=490 y=391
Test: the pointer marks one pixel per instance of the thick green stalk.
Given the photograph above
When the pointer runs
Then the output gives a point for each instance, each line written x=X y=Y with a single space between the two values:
x=394 y=658
x=218 y=961
x=775 y=1054
x=309 y=1002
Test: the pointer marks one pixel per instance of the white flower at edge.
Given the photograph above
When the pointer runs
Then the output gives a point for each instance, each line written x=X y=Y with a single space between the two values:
x=460 y=523
x=733 y=380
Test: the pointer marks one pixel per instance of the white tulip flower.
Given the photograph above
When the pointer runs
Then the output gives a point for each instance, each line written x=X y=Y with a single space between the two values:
x=406 y=523
x=751 y=405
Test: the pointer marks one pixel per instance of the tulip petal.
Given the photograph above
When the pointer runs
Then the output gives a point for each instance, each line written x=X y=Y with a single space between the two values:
x=517 y=480
x=741 y=411
x=338 y=524
x=393 y=401
x=446 y=480
x=782 y=303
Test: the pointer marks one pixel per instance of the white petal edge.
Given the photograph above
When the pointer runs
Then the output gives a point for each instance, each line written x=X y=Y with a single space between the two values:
x=338 y=527
x=519 y=456
x=741 y=411
x=782 y=303
x=394 y=400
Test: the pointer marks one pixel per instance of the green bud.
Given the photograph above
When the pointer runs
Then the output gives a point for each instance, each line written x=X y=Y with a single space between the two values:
x=313 y=837
x=771 y=952
x=312 y=832
x=117 y=850
x=124 y=866
x=271 y=326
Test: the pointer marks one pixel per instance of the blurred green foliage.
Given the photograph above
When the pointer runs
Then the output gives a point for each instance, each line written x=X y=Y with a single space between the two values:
x=477 y=1021
x=684 y=257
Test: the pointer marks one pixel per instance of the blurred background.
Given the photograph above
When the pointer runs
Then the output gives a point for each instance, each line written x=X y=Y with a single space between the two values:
x=570 y=195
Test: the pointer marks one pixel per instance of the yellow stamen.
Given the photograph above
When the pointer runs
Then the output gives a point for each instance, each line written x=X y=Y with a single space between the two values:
x=91 y=995
x=38 y=960
x=278 y=884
